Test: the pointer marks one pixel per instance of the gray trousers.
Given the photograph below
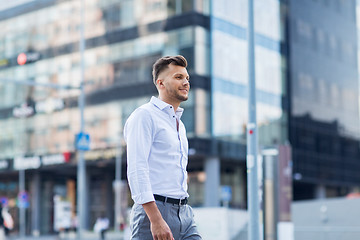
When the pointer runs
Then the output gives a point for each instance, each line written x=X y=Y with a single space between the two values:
x=179 y=218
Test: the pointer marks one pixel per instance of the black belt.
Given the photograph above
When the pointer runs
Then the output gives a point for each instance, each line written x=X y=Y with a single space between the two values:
x=171 y=200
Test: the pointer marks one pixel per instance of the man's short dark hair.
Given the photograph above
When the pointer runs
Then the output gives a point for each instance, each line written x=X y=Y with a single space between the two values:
x=162 y=63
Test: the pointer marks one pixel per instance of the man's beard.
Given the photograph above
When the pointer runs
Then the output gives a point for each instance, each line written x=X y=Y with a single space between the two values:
x=174 y=94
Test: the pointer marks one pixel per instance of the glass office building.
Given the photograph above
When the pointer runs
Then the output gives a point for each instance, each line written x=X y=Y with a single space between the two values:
x=40 y=43
x=324 y=87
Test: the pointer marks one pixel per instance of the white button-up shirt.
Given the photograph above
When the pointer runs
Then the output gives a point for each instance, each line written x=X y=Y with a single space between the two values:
x=157 y=153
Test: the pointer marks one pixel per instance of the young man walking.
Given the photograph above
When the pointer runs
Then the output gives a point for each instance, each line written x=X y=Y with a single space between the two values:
x=157 y=156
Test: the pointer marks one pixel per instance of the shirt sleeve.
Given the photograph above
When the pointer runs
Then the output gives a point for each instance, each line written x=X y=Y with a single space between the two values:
x=138 y=134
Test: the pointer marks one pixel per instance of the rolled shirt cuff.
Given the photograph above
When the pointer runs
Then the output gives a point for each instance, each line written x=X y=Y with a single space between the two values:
x=143 y=198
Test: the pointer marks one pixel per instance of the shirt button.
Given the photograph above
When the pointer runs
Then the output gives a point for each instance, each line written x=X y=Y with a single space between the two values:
x=173 y=116
x=170 y=106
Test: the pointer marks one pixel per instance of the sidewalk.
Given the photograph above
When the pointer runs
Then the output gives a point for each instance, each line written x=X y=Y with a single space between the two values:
x=72 y=236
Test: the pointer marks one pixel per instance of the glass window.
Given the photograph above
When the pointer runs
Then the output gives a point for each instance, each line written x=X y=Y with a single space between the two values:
x=172 y=7
x=334 y=93
x=327 y=49
x=187 y=5
x=202 y=6
x=268 y=71
x=294 y=31
x=228 y=121
x=314 y=39
x=339 y=51
x=147 y=11
x=304 y=31
x=321 y=39
x=333 y=44
x=112 y=16
x=267 y=21
x=202 y=113
x=338 y=6
x=229 y=63
x=202 y=54
x=232 y=11
x=323 y=92
x=348 y=52
x=349 y=96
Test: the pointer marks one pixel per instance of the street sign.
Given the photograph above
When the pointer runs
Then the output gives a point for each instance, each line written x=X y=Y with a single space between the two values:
x=4 y=201
x=22 y=163
x=82 y=141
x=28 y=57
x=23 y=199
x=226 y=193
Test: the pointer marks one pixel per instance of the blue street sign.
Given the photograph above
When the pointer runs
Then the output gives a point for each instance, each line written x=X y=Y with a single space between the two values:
x=82 y=141
x=22 y=204
x=23 y=196
x=23 y=199
x=226 y=193
x=4 y=201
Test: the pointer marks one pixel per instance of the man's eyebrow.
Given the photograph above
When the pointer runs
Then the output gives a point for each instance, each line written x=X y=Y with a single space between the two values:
x=181 y=74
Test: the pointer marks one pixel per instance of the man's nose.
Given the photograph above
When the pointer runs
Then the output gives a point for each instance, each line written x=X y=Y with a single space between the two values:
x=186 y=82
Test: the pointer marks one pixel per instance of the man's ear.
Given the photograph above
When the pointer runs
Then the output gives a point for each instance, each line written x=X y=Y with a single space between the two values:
x=159 y=82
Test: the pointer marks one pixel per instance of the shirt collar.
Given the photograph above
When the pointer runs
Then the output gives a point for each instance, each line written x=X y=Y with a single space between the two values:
x=163 y=105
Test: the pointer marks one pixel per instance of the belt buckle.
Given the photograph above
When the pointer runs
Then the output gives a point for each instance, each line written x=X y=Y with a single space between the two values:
x=180 y=202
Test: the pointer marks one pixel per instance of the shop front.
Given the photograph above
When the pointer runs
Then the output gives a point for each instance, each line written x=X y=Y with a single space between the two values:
x=50 y=182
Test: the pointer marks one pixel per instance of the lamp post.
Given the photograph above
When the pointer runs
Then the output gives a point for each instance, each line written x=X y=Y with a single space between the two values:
x=81 y=168
x=118 y=185
x=251 y=158
x=22 y=224
x=270 y=187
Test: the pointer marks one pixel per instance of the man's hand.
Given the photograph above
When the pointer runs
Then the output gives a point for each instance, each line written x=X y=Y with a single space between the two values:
x=159 y=228
x=161 y=231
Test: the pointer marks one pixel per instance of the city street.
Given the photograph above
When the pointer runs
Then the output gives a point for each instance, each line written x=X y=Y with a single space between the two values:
x=70 y=236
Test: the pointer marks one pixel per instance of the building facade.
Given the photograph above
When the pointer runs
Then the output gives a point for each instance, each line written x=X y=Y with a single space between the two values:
x=324 y=87
x=40 y=43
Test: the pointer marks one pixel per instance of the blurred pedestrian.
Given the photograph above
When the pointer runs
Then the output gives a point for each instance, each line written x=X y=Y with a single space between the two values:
x=7 y=220
x=2 y=226
x=101 y=226
x=157 y=156
x=74 y=222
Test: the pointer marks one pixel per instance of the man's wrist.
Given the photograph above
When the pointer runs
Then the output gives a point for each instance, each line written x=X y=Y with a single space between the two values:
x=156 y=219
x=152 y=212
